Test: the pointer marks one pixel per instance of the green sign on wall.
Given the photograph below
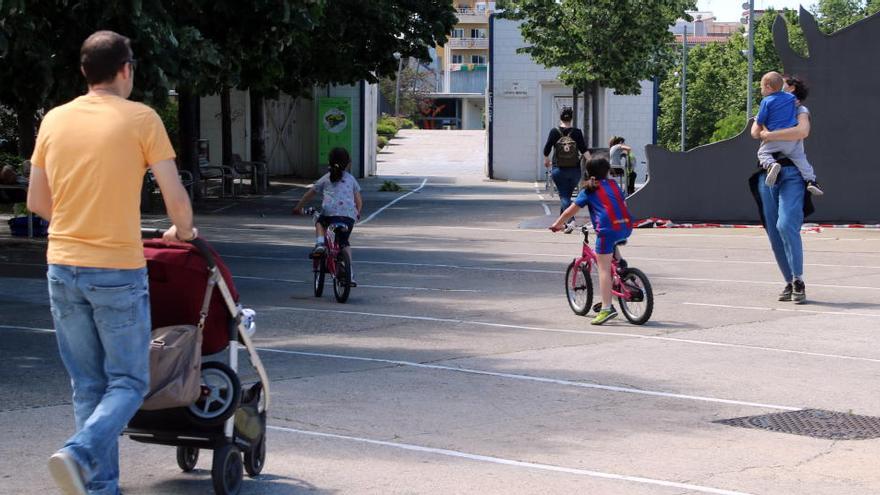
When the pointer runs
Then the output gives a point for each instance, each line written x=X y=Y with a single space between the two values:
x=334 y=126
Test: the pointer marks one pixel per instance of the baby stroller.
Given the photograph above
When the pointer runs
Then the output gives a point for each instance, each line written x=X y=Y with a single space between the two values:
x=225 y=417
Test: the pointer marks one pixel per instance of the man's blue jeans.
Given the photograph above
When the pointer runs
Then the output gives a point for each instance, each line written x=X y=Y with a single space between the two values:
x=102 y=321
x=566 y=180
x=783 y=205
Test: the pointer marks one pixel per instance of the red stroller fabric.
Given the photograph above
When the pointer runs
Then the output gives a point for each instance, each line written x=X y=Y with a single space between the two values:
x=178 y=279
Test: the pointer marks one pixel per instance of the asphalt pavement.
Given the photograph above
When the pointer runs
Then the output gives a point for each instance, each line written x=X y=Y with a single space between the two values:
x=457 y=366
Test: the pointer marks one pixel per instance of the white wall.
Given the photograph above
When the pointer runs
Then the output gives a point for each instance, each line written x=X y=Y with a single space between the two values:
x=291 y=136
x=210 y=125
x=631 y=116
x=472 y=110
x=291 y=129
x=521 y=123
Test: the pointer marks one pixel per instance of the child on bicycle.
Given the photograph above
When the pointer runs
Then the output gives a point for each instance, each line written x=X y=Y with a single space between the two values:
x=342 y=201
x=610 y=219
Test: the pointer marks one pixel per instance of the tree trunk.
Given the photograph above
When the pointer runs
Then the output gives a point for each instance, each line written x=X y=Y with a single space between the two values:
x=226 y=126
x=258 y=127
x=594 y=95
x=187 y=119
x=27 y=124
x=226 y=137
x=587 y=126
x=574 y=106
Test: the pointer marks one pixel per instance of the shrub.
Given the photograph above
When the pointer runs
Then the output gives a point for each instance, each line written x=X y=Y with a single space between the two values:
x=381 y=142
x=11 y=159
x=386 y=129
x=405 y=123
x=390 y=186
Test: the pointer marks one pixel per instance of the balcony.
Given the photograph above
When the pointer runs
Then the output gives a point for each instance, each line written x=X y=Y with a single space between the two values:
x=469 y=82
x=472 y=16
x=468 y=43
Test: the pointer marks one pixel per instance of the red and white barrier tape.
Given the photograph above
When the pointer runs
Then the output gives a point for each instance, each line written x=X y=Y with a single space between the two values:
x=662 y=223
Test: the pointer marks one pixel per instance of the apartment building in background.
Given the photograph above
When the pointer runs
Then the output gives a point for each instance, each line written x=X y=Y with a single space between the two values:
x=461 y=65
x=704 y=29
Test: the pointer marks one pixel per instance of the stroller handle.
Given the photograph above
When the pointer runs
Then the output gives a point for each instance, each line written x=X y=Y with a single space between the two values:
x=200 y=245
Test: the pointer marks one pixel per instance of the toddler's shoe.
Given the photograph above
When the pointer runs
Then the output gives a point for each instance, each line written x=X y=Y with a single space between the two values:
x=814 y=189
x=772 y=172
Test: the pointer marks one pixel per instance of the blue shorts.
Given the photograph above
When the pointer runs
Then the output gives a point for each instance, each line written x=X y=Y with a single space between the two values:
x=606 y=241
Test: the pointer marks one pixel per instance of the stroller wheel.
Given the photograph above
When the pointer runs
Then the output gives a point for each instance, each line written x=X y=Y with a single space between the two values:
x=187 y=457
x=226 y=471
x=220 y=397
x=255 y=459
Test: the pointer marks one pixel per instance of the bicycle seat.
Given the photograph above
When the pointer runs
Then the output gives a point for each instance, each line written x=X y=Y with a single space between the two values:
x=339 y=227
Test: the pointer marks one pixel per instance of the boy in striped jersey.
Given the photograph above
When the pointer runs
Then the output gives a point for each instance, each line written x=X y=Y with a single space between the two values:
x=611 y=220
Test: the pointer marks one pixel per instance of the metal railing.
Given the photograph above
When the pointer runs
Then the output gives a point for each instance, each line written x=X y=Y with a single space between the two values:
x=469 y=43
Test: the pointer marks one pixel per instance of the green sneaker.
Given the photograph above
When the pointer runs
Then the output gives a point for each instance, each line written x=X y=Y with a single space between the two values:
x=604 y=315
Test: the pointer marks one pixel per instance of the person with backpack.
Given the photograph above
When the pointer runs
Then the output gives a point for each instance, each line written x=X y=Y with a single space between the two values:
x=567 y=144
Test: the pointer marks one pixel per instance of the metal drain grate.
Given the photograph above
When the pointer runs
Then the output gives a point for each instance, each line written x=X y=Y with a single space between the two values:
x=813 y=423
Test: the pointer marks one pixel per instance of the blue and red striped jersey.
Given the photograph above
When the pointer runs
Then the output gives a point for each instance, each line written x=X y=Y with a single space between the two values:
x=607 y=207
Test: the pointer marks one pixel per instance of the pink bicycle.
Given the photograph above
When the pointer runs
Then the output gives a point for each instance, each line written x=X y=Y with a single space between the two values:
x=630 y=285
x=334 y=261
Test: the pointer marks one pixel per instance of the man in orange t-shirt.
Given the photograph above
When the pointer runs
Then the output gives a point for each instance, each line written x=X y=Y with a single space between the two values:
x=89 y=162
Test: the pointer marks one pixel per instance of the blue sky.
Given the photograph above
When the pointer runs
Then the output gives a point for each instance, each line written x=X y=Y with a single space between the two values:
x=731 y=10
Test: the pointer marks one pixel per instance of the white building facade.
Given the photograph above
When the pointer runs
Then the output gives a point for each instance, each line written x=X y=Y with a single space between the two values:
x=524 y=102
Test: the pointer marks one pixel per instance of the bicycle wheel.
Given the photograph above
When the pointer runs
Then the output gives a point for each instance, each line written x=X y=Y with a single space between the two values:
x=341 y=285
x=578 y=289
x=638 y=303
x=319 y=272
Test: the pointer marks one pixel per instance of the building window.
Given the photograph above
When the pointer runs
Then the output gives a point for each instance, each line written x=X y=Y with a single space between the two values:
x=478 y=59
x=478 y=33
x=458 y=32
x=456 y=59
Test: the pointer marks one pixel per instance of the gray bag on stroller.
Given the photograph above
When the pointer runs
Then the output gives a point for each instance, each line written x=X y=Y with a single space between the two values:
x=175 y=363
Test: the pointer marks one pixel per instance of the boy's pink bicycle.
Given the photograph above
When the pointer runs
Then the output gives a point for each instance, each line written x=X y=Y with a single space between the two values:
x=629 y=285
x=334 y=261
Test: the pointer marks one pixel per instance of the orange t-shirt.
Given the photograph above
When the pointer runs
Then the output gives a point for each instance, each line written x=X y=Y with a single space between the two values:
x=95 y=151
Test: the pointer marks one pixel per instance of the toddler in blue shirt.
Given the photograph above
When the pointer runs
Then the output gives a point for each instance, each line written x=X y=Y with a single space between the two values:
x=778 y=110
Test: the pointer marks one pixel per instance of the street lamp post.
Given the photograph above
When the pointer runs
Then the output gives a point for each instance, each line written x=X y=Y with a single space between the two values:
x=684 y=64
x=750 y=5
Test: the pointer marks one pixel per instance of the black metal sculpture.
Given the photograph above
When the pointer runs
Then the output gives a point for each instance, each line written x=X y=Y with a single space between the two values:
x=709 y=183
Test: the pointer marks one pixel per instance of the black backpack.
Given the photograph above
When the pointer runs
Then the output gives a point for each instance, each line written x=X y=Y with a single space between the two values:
x=566 y=150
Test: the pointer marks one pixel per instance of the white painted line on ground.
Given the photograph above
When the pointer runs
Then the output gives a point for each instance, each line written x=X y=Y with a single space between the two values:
x=555 y=381
x=758 y=282
x=744 y=262
x=511 y=462
x=394 y=287
x=395 y=200
x=787 y=310
x=585 y=332
x=223 y=208
x=561 y=270
x=395 y=263
x=546 y=209
x=33 y=329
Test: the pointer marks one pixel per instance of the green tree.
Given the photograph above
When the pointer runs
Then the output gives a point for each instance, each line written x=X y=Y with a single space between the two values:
x=834 y=15
x=600 y=43
x=415 y=86
x=717 y=85
x=39 y=52
x=358 y=40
